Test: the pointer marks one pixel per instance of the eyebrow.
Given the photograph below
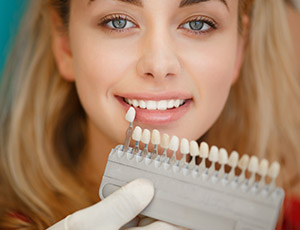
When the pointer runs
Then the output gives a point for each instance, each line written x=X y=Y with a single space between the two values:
x=182 y=4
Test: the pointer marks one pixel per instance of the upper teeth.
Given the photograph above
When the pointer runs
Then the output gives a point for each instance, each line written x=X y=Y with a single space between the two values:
x=155 y=105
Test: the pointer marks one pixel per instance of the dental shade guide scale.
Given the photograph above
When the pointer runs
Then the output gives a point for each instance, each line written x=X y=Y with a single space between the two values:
x=195 y=196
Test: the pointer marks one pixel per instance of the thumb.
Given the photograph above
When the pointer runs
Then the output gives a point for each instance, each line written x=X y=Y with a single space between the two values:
x=114 y=211
x=127 y=202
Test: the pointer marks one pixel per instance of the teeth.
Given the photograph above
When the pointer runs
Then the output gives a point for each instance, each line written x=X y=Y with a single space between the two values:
x=155 y=105
x=151 y=105
x=162 y=105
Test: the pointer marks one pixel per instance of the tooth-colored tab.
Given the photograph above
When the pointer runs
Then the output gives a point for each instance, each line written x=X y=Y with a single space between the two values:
x=145 y=136
x=174 y=143
x=151 y=105
x=263 y=167
x=213 y=154
x=233 y=159
x=137 y=133
x=274 y=169
x=253 y=164
x=184 y=146
x=130 y=115
x=223 y=156
x=155 y=138
x=194 y=149
x=204 y=149
x=165 y=141
x=243 y=162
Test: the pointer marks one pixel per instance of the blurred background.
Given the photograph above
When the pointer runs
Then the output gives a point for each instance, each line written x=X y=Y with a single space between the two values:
x=10 y=15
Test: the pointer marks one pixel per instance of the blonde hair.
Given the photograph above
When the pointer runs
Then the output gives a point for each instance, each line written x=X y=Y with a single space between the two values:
x=41 y=117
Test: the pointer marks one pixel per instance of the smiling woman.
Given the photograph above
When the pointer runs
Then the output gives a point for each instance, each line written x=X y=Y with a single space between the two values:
x=208 y=70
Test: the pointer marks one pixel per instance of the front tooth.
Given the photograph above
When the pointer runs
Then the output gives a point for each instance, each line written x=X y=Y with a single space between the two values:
x=135 y=103
x=177 y=103
x=142 y=104
x=151 y=105
x=171 y=104
x=162 y=105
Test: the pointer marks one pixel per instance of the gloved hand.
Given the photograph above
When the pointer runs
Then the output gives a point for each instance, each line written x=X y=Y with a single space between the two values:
x=115 y=211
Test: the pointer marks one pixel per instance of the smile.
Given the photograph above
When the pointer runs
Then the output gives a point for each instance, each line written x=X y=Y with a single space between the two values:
x=155 y=105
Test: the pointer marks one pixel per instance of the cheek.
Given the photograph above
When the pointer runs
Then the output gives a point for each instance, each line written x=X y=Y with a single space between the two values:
x=211 y=68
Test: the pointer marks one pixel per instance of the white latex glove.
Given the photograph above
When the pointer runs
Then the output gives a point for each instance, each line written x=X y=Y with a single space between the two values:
x=115 y=211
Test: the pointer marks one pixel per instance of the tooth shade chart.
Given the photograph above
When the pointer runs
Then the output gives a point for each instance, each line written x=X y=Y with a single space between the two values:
x=189 y=152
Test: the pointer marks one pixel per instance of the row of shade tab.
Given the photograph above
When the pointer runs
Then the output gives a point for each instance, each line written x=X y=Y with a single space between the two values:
x=190 y=153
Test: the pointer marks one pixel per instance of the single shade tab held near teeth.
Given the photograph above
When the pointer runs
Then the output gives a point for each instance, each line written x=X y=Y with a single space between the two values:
x=130 y=115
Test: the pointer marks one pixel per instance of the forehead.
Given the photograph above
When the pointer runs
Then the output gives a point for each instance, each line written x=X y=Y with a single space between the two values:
x=181 y=4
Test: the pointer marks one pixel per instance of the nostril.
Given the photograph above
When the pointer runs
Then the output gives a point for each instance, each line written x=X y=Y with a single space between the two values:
x=149 y=74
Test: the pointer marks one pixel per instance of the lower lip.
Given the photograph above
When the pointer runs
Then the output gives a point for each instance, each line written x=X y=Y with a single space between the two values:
x=158 y=117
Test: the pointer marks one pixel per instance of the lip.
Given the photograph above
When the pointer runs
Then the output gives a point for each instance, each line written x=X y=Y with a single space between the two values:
x=157 y=117
x=157 y=97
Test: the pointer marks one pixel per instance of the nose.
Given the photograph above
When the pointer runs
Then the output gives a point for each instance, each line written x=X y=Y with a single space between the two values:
x=158 y=57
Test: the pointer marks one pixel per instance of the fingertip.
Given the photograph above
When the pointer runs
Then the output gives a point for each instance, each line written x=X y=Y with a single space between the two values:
x=145 y=187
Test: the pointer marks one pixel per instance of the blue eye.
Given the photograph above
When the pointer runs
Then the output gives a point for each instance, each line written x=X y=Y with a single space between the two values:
x=118 y=23
x=198 y=25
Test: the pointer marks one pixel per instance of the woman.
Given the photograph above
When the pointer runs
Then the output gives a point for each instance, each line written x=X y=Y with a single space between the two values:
x=77 y=64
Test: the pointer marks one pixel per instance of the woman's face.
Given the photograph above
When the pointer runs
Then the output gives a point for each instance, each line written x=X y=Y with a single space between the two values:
x=174 y=60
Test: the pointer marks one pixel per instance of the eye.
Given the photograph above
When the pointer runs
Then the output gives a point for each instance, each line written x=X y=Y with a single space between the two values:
x=117 y=23
x=199 y=25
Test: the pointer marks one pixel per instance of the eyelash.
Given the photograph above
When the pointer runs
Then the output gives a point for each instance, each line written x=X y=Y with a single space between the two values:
x=212 y=24
x=111 y=18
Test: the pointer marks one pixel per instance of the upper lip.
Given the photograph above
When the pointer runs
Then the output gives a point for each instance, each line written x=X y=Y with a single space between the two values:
x=157 y=96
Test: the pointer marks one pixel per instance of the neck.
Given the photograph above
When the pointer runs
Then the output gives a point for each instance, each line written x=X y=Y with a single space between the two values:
x=95 y=158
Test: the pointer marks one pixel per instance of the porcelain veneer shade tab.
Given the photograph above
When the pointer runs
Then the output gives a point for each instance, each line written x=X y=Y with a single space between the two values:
x=174 y=143
x=155 y=138
x=137 y=133
x=194 y=149
x=145 y=136
x=184 y=146
x=165 y=141
x=130 y=115
x=204 y=149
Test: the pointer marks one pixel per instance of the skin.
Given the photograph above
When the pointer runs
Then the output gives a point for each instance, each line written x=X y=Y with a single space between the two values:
x=155 y=56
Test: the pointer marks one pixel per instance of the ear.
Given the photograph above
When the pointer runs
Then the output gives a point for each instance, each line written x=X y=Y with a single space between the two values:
x=61 y=47
x=241 y=48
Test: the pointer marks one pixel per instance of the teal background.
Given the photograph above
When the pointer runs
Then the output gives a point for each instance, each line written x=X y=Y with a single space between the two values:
x=11 y=12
